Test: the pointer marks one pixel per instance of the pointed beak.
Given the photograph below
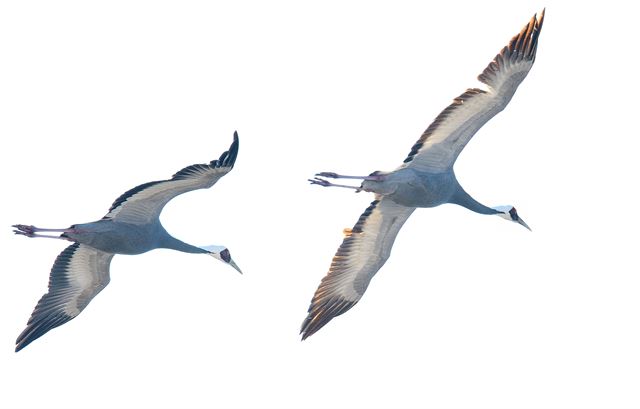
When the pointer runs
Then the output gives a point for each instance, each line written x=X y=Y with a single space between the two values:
x=521 y=222
x=234 y=265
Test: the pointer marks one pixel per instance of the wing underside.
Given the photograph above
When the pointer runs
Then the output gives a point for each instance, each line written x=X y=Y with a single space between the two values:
x=439 y=146
x=79 y=273
x=364 y=250
x=143 y=203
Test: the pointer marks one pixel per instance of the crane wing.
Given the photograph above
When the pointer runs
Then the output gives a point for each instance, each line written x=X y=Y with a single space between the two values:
x=143 y=203
x=363 y=252
x=439 y=146
x=79 y=273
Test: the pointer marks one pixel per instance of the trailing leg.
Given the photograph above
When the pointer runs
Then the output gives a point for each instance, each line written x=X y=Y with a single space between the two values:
x=374 y=176
x=32 y=231
x=326 y=183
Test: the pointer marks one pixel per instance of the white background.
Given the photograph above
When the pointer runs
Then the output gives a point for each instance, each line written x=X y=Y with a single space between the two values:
x=469 y=312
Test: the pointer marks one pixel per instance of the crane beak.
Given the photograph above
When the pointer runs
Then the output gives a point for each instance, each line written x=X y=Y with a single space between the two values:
x=234 y=265
x=521 y=222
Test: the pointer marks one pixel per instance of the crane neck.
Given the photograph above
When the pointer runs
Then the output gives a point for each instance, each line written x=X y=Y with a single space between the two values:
x=170 y=242
x=464 y=199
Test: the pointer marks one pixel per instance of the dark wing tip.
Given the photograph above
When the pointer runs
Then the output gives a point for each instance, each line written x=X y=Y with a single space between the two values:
x=325 y=306
x=320 y=315
x=228 y=157
x=226 y=160
x=522 y=46
x=37 y=328
x=233 y=151
x=525 y=43
x=42 y=318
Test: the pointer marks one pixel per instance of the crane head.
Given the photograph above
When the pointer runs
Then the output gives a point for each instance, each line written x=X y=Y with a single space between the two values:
x=222 y=253
x=510 y=213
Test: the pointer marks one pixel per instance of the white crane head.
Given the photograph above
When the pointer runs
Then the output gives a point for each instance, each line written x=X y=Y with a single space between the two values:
x=222 y=253
x=509 y=213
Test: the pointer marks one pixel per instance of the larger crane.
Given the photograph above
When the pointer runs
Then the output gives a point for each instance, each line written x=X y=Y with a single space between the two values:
x=425 y=179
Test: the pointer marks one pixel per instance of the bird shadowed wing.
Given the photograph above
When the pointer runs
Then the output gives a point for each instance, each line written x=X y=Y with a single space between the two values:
x=79 y=273
x=143 y=203
x=439 y=146
x=363 y=252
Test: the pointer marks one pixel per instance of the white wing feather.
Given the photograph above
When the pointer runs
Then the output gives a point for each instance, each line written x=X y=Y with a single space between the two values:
x=363 y=252
x=439 y=146
x=143 y=204
x=79 y=273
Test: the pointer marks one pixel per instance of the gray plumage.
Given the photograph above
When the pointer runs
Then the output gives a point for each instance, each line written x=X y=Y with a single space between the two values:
x=131 y=226
x=425 y=179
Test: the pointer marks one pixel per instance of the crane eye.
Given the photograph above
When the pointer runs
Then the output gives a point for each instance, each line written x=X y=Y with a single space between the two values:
x=513 y=213
x=225 y=255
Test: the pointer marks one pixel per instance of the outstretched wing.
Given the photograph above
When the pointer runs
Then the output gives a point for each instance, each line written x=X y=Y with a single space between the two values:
x=439 y=146
x=143 y=203
x=363 y=252
x=79 y=273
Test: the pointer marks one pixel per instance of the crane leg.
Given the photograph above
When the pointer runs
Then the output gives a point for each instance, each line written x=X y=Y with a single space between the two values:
x=32 y=231
x=326 y=183
x=334 y=175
